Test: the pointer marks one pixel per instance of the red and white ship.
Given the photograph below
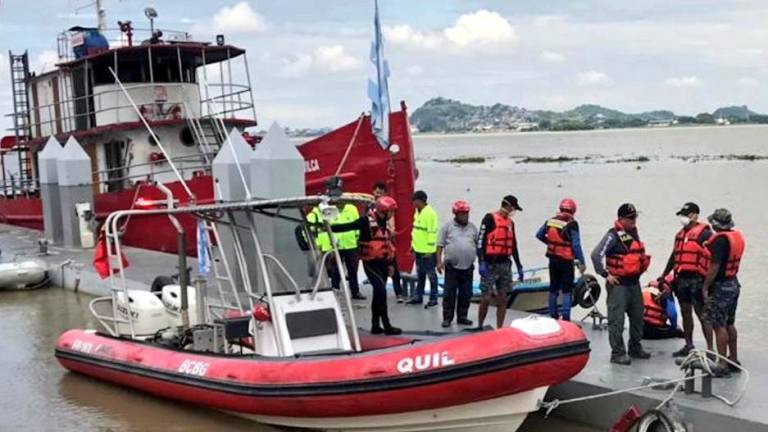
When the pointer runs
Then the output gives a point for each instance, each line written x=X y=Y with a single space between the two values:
x=185 y=90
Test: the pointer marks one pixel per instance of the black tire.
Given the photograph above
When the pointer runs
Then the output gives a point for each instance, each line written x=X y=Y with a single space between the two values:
x=159 y=283
x=588 y=284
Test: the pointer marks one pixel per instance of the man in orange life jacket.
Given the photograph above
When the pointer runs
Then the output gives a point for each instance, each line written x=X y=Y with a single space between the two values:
x=689 y=260
x=625 y=261
x=379 y=190
x=721 y=285
x=561 y=235
x=377 y=251
x=496 y=243
x=659 y=312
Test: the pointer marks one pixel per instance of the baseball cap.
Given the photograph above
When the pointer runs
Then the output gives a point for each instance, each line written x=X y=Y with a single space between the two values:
x=627 y=210
x=688 y=208
x=511 y=200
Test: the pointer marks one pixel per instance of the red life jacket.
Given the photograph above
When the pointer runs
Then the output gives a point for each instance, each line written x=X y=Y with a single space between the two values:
x=631 y=260
x=689 y=255
x=737 y=243
x=380 y=246
x=500 y=241
x=653 y=313
x=558 y=243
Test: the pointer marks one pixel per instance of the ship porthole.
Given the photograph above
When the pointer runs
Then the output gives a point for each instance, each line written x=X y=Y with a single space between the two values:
x=186 y=137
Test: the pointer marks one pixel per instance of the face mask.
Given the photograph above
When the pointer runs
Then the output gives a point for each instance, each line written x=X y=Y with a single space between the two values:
x=684 y=220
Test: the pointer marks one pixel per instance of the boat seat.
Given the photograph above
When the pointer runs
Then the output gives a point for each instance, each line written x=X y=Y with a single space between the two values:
x=311 y=323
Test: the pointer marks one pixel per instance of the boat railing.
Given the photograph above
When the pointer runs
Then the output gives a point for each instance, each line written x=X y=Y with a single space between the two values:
x=224 y=212
x=113 y=178
x=117 y=38
x=104 y=108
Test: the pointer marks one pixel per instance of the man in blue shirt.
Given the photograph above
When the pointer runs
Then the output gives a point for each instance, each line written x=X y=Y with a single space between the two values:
x=561 y=235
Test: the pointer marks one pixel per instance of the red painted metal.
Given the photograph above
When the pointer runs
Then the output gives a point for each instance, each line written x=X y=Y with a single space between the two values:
x=357 y=372
x=366 y=164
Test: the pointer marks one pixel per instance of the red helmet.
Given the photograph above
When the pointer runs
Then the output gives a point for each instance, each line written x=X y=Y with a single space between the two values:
x=386 y=204
x=568 y=205
x=460 y=206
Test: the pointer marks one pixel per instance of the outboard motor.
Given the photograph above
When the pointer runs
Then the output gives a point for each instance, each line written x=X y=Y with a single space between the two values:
x=171 y=298
x=147 y=312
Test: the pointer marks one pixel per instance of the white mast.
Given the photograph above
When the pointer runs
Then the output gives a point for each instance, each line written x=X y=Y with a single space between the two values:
x=101 y=16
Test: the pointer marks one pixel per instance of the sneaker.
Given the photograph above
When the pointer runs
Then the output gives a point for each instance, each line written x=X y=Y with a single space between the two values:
x=358 y=296
x=392 y=330
x=640 y=354
x=623 y=360
x=733 y=368
x=683 y=352
x=721 y=372
x=414 y=302
x=431 y=303
x=446 y=323
x=377 y=330
x=400 y=299
x=464 y=321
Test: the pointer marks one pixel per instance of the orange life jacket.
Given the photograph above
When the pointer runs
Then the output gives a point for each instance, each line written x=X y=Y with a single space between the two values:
x=737 y=243
x=500 y=241
x=631 y=260
x=689 y=255
x=653 y=313
x=558 y=243
x=381 y=244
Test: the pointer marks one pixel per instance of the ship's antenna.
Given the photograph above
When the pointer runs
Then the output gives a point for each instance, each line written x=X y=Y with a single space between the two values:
x=101 y=14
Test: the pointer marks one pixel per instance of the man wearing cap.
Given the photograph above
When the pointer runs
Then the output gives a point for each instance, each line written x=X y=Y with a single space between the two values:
x=424 y=246
x=456 y=256
x=721 y=286
x=496 y=243
x=689 y=261
x=625 y=260
x=379 y=190
x=561 y=235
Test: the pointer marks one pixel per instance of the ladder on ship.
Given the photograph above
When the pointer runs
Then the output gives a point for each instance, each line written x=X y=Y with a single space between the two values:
x=21 y=123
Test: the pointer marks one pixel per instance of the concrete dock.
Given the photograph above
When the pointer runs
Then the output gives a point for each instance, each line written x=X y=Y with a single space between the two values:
x=71 y=268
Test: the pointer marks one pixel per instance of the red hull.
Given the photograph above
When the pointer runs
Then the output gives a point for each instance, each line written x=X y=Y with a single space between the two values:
x=366 y=164
x=485 y=365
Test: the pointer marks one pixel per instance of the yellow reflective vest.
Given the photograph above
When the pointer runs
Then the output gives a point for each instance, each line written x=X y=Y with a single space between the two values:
x=424 y=233
x=345 y=240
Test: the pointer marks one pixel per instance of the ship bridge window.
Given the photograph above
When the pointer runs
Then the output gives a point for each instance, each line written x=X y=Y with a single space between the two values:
x=135 y=68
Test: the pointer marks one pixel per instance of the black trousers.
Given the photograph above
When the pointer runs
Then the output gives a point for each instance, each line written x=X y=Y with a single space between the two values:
x=397 y=283
x=666 y=332
x=457 y=282
x=349 y=258
x=377 y=272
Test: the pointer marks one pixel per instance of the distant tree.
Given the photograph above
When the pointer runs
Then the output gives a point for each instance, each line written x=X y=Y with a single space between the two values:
x=686 y=120
x=759 y=118
x=545 y=124
x=635 y=122
x=705 y=118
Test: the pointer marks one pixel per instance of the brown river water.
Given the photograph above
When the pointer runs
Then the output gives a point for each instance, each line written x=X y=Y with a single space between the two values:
x=36 y=394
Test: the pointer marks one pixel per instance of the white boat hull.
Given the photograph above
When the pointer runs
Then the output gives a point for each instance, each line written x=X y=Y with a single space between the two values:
x=22 y=275
x=504 y=414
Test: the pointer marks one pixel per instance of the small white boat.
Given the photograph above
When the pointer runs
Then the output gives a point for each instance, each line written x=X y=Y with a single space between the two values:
x=22 y=275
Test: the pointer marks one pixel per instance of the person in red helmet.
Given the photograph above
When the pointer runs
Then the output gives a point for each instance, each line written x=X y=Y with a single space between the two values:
x=561 y=235
x=377 y=252
x=456 y=256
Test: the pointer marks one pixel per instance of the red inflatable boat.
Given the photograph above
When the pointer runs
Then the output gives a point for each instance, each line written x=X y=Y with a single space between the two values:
x=469 y=380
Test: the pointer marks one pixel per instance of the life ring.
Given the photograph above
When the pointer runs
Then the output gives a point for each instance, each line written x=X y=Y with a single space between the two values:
x=587 y=291
x=656 y=421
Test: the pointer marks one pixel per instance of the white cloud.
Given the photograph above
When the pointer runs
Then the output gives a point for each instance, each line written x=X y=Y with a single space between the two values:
x=240 y=18
x=484 y=30
x=684 y=81
x=45 y=61
x=481 y=27
x=593 y=78
x=415 y=70
x=332 y=58
x=551 y=57
x=748 y=82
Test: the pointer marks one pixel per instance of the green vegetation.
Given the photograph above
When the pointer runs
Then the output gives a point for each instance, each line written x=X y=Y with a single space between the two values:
x=441 y=115
x=547 y=159
x=464 y=160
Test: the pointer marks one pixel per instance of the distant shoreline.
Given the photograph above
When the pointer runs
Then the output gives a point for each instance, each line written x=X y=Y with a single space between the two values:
x=606 y=130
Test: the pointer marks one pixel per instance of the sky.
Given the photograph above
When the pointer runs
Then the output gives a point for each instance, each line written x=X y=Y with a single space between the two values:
x=308 y=60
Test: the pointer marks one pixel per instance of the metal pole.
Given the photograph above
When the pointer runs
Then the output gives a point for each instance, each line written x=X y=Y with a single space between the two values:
x=201 y=297
x=183 y=275
x=151 y=69
x=345 y=284
x=250 y=90
x=231 y=90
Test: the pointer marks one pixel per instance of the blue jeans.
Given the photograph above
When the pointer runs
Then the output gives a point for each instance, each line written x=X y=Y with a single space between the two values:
x=425 y=267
